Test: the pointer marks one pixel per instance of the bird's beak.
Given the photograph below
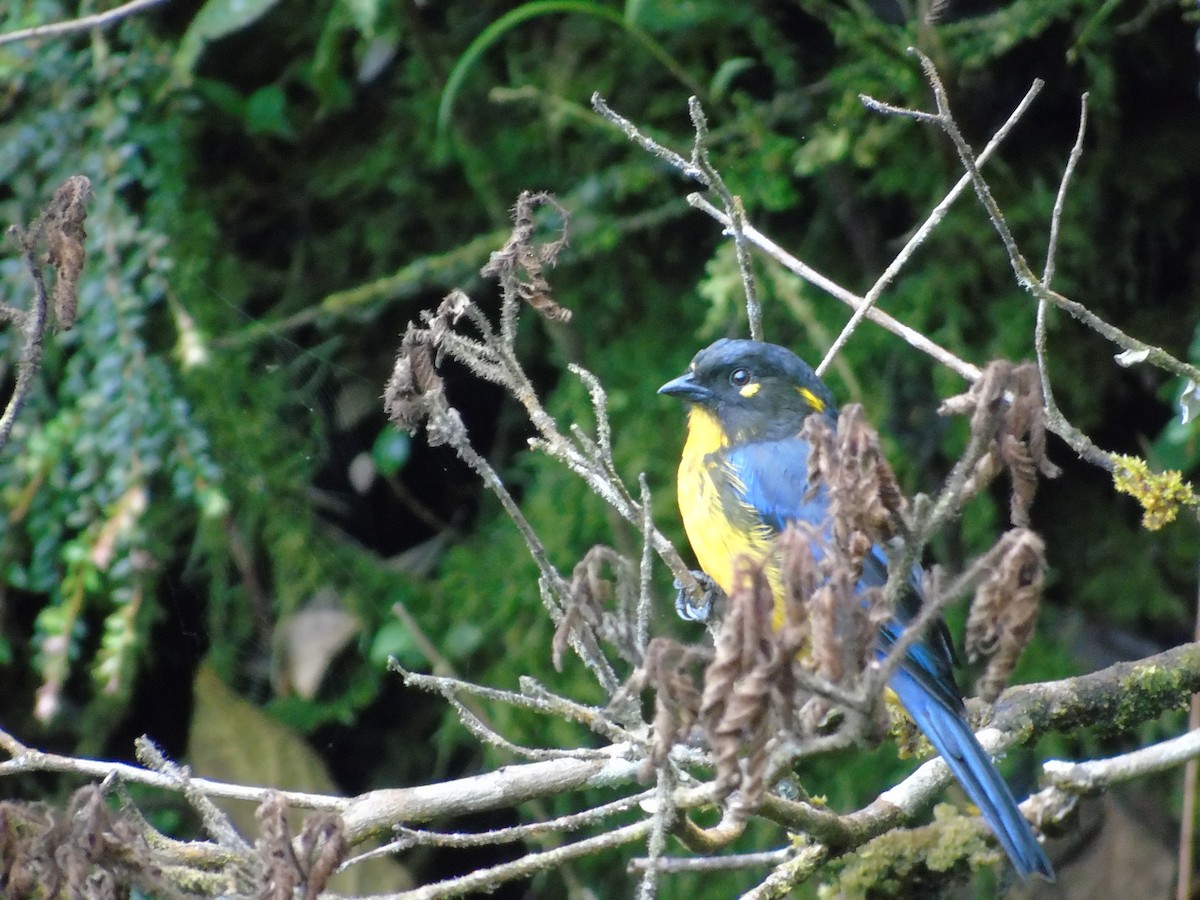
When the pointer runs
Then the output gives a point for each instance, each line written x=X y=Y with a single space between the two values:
x=685 y=387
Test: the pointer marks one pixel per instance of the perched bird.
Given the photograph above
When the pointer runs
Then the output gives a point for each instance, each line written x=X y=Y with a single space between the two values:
x=744 y=477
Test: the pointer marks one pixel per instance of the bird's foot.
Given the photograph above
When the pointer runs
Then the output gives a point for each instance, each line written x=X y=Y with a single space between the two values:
x=708 y=605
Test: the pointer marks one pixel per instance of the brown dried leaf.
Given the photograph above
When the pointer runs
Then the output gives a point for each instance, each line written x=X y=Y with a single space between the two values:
x=87 y=850
x=520 y=263
x=414 y=383
x=1007 y=410
x=61 y=228
x=323 y=847
x=1005 y=608
x=668 y=668
x=589 y=594
x=735 y=705
x=281 y=873
x=865 y=501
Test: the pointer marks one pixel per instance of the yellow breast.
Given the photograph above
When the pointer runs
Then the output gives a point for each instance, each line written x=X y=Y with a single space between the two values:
x=719 y=526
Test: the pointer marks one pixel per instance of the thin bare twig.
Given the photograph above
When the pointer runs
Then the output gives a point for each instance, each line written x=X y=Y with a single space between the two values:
x=216 y=822
x=701 y=169
x=1024 y=274
x=656 y=846
x=31 y=350
x=737 y=217
x=1060 y=199
x=1097 y=773
x=26 y=759
x=931 y=222
x=486 y=880
x=414 y=837
x=909 y=335
x=83 y=23
x=645 y=602
x=1057 y=421
x=730 y=862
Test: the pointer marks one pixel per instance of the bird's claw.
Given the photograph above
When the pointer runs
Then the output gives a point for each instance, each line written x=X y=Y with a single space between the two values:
x=702 y=608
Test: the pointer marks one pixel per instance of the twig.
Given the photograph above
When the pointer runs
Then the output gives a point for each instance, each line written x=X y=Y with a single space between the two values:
x=932 y=221
x=1060 y=199
x=730 y=862
x=413 y=837
x=645 y=603
x=1054 y=416
x=790 y=873
x=26 y=759
x=35 y=330
x=656 y=846
x=736 y=213
x=910 y=336
x=486 y=880
x=216 y=822
x=1096 y=773
x=83 y=23
x=539 y=700
x=571 y=822
x=701 y=169
x=1024 y=274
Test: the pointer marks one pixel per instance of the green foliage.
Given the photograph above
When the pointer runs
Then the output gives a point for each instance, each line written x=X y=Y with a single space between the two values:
x=280 y=187
x=215 y=20
x=902 y=862
x=111 y=468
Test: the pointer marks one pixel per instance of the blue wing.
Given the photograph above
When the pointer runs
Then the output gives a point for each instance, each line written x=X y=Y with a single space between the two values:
x=772 y=478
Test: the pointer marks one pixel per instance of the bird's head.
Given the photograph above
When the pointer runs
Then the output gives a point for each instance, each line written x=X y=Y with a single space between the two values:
x=756 y=391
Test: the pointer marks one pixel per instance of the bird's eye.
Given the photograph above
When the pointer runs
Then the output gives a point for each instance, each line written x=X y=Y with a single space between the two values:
x=739 y=377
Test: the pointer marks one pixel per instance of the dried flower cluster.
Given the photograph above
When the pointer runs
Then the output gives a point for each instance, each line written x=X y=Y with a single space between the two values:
x=588 y=597
x=1007 y=412
x=1004 y=611
x=60 y=230
x=414 y=388
x=742 y=706
x=519 y=264
x=669 y=668
x=303 y=870
x=88 y=850
x=865 y=502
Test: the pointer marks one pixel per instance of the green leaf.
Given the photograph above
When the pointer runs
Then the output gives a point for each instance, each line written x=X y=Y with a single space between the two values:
x=216 y=19
x=365 y=14
x=395 y=639
x=391 y=450
x=511 y=19
x=729 y=70
x=266 y=112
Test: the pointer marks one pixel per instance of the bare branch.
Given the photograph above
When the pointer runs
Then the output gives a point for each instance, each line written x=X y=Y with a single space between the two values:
x=931 y=222
x=83 y=23
x=736 y=213
x=1098 y=773
x=1060 y=199
x=26 y=759
x=909 y=335
x=1024 y=274
x=31 y=349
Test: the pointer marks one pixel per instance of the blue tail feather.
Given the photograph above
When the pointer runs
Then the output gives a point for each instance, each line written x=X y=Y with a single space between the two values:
x=954 y=740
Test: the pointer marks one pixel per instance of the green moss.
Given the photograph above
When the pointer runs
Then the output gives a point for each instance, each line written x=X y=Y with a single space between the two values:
x=911 y=862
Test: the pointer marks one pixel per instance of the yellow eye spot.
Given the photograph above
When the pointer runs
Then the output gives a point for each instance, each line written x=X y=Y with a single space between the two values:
x=811 y=399
x=750 y=390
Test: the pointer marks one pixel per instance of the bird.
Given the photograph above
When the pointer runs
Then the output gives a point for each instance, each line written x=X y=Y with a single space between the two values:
x=743 y=478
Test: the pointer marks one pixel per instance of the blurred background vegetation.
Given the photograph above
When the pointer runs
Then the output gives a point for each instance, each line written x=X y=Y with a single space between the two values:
x=207 y=524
